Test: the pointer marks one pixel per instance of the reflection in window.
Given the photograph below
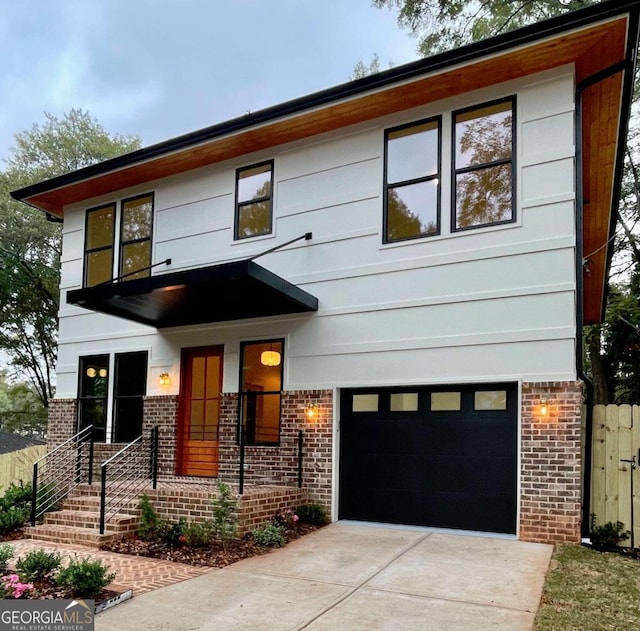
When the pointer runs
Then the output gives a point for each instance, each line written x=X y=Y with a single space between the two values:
x=98 y=248
x=490 y=400
x=364 y=403
x=135 y=236
x=253 y=200
x=92 y=395
x=445 y=401
x=261 y=365
x=128 y=396
x=484 y=165
x=412 y=181
x=404 y=402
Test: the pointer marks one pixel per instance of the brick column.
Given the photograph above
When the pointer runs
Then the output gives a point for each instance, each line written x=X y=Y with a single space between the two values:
x=550 y=482
x=62 y=420
x=163 y=411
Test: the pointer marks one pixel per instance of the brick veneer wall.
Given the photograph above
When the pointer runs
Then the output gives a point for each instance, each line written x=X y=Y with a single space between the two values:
x=61 y=423
x=550 y=510
x=279 y=465
x=163 y=412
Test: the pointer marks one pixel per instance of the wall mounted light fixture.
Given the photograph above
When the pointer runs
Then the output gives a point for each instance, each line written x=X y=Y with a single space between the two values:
x=164 y=378
x=311 y=410
x=544 y=407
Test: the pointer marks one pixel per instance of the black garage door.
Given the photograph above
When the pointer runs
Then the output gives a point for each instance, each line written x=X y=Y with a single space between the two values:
x=430 y=456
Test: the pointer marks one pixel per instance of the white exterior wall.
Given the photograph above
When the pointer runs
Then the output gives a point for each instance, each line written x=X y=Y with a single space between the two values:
x=487 y=304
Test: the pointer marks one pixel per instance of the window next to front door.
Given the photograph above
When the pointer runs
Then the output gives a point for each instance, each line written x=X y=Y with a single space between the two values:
x=93 y=394
x=261 y=391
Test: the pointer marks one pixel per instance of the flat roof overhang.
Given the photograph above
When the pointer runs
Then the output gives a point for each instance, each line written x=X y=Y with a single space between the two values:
x=217 y=293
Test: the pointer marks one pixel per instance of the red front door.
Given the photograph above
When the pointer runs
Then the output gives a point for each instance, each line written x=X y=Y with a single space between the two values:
x=199 y=411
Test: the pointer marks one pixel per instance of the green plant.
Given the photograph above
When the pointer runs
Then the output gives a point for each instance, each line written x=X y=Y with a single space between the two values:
x=6 y=552
x=12 y=519
x=11 y=587
x=608 y=535
x=84 y=577
x=285 y=518
x=312 y=514
x=197 y=534
x=38 y=564
x=172 y=533
x=149 y=520
x=224 y=521
x=270 y=535
x=16 y=496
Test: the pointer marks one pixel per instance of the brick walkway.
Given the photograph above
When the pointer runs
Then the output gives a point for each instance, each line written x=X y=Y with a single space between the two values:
x=141 y=574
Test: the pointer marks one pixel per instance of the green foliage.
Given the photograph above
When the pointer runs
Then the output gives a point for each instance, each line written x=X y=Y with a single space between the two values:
x=11 y=520
x=608 y=535
x=172 y=533
x=270 y=535
x=312 y=514
x=149 y=520
x=30 y=245
x=225 y=522
x=21 y=410
x=16 y=496
x=38 y=564
x=6 y=552
x=84 y=577
x=197 y=534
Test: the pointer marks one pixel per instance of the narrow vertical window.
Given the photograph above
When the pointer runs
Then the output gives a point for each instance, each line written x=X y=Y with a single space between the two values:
x=129 y=389
x=412 y=181
x=92 y=394
x=484 y=169
x=98 y=245
x=261 y=391
x=136 y=226
x=254 y=186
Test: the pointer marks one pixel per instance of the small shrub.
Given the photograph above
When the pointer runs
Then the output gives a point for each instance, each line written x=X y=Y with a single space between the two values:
x=16 y=496
x=11 y=587
x=6 y=552
x=285 y=518
x=38 y=564
x=197 y=534
x=149 y=520
x=172 y=533
x=84 y=577
x=608 y=535
x=270 y=535
x=225 y=522
x=11 y=519
x=312 y=514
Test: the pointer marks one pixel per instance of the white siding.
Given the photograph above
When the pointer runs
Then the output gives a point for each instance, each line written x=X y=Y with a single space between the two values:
x=495 y=303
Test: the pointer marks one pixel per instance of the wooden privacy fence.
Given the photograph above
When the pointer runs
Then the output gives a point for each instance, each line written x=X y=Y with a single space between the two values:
x=615 y=483
x=17 y=466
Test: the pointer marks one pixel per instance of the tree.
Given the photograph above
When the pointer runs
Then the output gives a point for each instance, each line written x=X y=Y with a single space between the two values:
x=21 y=410
x=30 y=245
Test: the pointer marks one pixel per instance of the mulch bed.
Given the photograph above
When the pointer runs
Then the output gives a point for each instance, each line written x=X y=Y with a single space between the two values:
x=48 y=590
x=211 y=555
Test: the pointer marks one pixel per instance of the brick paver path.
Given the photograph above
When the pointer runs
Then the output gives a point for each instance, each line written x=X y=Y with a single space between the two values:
x=141 y=574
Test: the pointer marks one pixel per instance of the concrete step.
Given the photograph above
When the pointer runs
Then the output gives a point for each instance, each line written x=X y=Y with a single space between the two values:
x=56 y=533
x=90 y=519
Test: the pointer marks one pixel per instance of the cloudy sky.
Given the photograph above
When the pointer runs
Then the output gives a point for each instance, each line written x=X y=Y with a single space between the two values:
x=160 y=68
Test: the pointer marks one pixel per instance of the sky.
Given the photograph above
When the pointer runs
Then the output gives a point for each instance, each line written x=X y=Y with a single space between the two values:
x=161 y=68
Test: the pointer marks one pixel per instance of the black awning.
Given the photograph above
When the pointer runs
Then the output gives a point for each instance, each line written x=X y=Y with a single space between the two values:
x=230 y=291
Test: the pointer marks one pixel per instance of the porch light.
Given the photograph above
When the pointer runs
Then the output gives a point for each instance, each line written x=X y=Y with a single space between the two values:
x=311 y=410
x=102 y=372
x=164 y=379
x=270 y=358
x=544 y=408
x=91 y=372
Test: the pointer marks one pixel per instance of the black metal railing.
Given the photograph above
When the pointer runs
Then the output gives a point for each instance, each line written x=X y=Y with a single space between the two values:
x=127 y=473
x=243 y=444
x=61 y=470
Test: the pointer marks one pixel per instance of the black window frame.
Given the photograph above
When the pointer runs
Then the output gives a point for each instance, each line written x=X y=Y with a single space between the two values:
x=240 y=204
x=485 y=165
x=118 y=357
x=99 y=434
x=242 y=394
x=387 y=185
x=88 y=251
x=123 y=243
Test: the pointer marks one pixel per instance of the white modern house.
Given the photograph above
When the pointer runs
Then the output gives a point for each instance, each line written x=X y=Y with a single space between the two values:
x=390 y=277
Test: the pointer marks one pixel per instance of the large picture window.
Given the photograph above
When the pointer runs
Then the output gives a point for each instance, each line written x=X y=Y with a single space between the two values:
x=483 y=186
x=93 y=392
x=261 y=391
x=254 y=200
x=128 y=396
x=136 y=226
x=412 y=181
x=98 y=244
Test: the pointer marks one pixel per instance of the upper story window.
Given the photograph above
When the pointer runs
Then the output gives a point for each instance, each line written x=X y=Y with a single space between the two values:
x=136 y=228
x=98 y=248
x=483 y=186
x=254 y=186
x=136 y=225
x=412 y=181
x=261 y=390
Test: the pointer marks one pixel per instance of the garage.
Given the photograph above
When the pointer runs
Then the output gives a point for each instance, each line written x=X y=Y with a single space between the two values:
x=440 y=456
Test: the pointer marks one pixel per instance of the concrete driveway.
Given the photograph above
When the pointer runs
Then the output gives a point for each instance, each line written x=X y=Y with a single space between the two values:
x=352 y=577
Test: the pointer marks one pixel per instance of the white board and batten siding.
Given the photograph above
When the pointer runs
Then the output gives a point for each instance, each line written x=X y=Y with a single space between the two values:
x=489 y=304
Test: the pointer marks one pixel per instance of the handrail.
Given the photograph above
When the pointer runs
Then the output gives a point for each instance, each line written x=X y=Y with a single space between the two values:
x=59 y=471
x=127 y=473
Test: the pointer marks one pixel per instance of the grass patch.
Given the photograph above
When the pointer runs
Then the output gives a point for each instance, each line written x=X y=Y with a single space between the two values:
x=585 y=589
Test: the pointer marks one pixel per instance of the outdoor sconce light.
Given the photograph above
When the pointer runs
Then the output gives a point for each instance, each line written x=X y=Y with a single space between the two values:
x=544 y=408
x=164 y=379
x=311 y=410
